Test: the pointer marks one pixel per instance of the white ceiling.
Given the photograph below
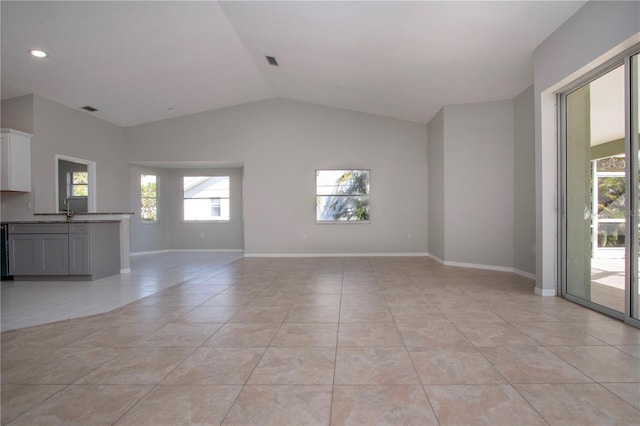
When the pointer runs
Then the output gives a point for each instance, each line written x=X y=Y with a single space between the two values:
x=144 y=61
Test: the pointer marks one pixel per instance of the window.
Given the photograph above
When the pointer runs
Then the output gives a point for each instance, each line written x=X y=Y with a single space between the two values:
x=77 y=184
x=342 y=196
x=148 y=198
x=216 y=207
x=206 y=198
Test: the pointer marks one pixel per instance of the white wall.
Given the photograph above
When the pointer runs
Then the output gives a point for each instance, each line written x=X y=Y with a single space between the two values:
x=478 y=176
x=524 y=189
x=594 y=34
x=436 y=185
x=281 y=143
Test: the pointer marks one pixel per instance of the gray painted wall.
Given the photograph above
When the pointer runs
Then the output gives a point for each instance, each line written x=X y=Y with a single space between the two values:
x=170 y=232
x=217 y=235
x=281 y=143
x=597 y=32
x=58 y=129
x=524 y=190
x=62 y=130
x=149 y=236
x=592 y=31
x=17 y=114
x=436 y=185
x=478 y=176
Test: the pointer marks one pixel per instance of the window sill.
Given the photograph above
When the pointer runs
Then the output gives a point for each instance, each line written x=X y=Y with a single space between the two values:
x=206 y=221
x=343 y=222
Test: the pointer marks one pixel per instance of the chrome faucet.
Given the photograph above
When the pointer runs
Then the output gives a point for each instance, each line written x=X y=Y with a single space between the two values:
x=69 y=212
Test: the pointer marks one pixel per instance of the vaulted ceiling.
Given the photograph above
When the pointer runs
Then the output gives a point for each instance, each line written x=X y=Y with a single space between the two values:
x=138 y=62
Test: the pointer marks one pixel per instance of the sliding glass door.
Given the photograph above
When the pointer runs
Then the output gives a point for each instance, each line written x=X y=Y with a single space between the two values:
x=600 y=190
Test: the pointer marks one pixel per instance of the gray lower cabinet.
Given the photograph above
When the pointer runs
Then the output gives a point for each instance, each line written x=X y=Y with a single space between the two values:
x=81 y=250
x=39 y=254
x=78 y=254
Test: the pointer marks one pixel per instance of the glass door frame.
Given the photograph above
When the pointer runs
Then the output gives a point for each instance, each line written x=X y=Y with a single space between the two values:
x=632 y=106
x=632 y=190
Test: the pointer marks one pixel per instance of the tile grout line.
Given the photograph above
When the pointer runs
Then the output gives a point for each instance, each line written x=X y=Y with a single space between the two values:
x=153 y=387
x=507 y=381
x=602 y=385
x=294 y=280
x=244 y=385
x=38 y=404
x=335 y=357
x=157 y=385
x=422 y=385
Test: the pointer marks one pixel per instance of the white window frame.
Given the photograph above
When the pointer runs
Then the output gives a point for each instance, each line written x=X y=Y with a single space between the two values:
x=222 y=219
x=71 y=185
x=320 y=193
x=142 y=219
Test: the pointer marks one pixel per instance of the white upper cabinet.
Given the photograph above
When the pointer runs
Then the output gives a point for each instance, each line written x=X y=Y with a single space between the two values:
x=16 y=161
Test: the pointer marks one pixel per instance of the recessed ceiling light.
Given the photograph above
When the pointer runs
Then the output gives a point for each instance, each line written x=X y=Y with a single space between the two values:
x=38 y=53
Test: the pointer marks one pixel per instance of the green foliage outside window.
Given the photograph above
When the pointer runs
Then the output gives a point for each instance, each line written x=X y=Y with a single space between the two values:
x=611 y=202
x=148 y=198
x=342 y=195
x=80 y=184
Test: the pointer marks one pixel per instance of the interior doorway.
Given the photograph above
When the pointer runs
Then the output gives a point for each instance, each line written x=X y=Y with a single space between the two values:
x=75 y=184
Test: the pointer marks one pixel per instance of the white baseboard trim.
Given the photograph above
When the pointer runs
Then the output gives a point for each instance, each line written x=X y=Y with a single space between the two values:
x=545 y=292
x=205 y=250
x=524 y=273
x=479 y=266
x=125 y=271
x=482 y=266
x=419 y=254
x=335 y=254
x=139 y=253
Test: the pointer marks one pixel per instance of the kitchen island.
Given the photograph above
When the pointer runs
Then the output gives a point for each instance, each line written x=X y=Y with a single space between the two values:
x=88 y=246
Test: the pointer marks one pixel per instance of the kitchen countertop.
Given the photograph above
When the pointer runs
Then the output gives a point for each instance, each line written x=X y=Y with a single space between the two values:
x=82 y=213
x=31 y=222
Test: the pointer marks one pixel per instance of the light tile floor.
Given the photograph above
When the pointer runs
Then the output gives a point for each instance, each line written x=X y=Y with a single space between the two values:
x=26 y=303
x=320 y=341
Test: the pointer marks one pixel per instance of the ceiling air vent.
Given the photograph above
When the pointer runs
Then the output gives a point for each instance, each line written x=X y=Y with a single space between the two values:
x=89 y=108
x=272 y=61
